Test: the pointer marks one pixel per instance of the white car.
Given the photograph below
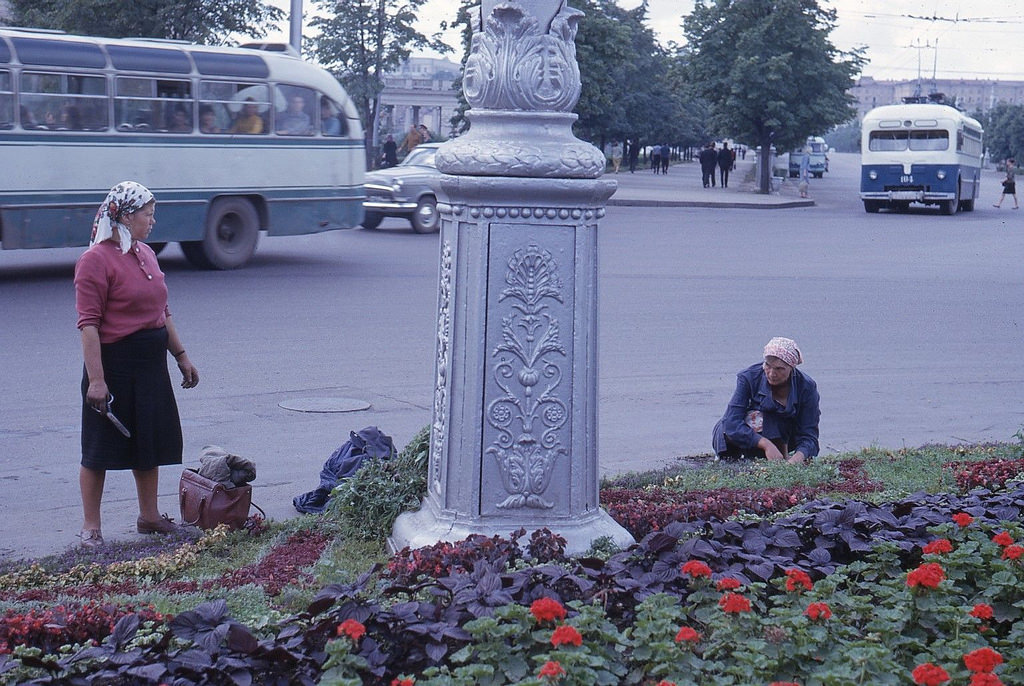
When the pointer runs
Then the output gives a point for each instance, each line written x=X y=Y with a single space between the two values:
x=404 y=191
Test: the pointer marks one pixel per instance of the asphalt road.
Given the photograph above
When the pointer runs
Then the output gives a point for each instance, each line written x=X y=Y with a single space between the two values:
x=910 y=323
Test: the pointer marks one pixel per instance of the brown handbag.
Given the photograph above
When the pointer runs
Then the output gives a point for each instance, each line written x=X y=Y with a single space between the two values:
x=206 y=503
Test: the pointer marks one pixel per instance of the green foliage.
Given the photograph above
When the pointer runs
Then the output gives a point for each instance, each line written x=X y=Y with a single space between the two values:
x=768 y=69
x=845 y=137
x=198 y=21
x=365 y=506
x=1004 y=131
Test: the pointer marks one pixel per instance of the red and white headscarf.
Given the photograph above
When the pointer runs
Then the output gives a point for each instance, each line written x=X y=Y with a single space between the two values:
x=785 y=349
x=124 y=198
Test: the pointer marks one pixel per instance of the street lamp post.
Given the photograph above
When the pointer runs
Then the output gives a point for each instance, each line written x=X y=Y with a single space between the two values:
x=514 y=431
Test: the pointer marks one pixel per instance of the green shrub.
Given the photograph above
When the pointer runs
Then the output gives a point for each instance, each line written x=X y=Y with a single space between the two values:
x=365 y=506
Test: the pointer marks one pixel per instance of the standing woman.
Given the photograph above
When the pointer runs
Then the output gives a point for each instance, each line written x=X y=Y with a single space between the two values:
x=127 y=331
x=774 y=411
x=1009 y=184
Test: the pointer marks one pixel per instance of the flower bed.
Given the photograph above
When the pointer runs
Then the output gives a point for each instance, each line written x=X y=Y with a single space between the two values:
x=837 y=592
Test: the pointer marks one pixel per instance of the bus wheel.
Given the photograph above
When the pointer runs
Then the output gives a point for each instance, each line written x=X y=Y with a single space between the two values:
x=232 y=230
x=157 y=247
x=949 y=207
x=425 y=219
x=371 y=220
x=872 y=206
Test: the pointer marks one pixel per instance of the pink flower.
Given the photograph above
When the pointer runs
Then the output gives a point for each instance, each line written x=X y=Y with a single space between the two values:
x=547 y=610
x=696 y=569
x=566 y=635
x=686 y=634
x=938 y=546
x=816 y=611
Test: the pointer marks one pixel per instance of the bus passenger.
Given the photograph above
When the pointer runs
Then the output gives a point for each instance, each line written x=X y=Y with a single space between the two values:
x=208 y=120
x=180 y=120
x=329 y=123
x=294 y=121
x=249 y=121
x=70 y=118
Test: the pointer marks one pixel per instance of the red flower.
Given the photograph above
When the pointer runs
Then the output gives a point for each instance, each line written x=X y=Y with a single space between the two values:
x=985 y=679
x=981 y=611
x=551 y=670
x=1013 y=552
x=547 y=610
x=352 y=629
x=734 y=603
x=784 y=683
x=687 y=634
x=728 y=584
x=929 y=675
x=983 y=660
x=938 y=546
x=566 y=634
x=696 y=569
x=798 y=580
x=963 y=519
x=666 y=683
x=928 y=575
x=1002 y=538
x=403 y=682
x=818 y=611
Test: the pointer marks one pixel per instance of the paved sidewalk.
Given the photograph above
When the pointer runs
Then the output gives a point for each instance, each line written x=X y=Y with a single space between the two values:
x=681 y=187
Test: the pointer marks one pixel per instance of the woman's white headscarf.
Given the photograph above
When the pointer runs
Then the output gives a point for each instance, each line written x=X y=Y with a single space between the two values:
x=785 y=349
x=124 y=198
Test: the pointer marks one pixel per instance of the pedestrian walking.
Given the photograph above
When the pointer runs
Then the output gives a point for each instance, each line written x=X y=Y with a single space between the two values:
x=1009 y=184
x=725 y=162
x=707 y=159
x=616 y=156
x=633 y=151
x=666 y=154
x=656 y=158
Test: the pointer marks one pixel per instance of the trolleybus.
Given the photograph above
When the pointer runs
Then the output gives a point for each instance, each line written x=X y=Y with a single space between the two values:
x=920 y=153
x=231 y=141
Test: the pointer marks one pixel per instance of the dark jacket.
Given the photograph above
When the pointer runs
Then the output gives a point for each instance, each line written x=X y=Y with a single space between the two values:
x=707 y=158
x=725 y=158
x=796 y=424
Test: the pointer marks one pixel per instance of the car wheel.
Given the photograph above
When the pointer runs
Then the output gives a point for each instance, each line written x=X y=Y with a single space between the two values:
x=371 y=220
x=425 y=218
x=232 y=230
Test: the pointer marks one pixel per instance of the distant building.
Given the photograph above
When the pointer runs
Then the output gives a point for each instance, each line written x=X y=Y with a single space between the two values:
x=419 y=92
x=970 y=95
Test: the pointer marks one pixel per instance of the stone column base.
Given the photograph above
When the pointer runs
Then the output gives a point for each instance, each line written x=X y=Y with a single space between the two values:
x=426 y=527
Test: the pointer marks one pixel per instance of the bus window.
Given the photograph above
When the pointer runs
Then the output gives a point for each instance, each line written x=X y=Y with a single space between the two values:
x=929 y=140
x=237 y=107
x=294 y=119
x=143 y=104
x=332 y=121
x=6 y=101
x=884 y=141
x=65 y=102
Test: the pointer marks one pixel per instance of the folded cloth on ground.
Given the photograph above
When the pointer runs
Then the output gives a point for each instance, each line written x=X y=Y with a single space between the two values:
x=221 y=466
x=343 y=463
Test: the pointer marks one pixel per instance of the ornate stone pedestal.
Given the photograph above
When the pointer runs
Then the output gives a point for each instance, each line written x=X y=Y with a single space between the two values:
x=514 y=434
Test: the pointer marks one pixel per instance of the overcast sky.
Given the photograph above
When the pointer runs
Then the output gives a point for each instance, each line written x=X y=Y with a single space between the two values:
x=971 y=39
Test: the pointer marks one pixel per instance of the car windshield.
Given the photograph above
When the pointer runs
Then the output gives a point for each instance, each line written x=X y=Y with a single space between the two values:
x=421 y=157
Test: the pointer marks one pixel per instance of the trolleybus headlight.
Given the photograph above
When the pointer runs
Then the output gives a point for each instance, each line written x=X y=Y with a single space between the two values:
x=941 y=174
x=872 y=175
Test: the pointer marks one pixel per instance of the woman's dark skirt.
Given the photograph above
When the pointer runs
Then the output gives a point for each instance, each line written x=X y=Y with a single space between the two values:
x=135 y=369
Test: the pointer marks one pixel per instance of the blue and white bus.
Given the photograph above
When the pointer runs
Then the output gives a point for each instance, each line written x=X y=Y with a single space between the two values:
x=920 y=153
x=230 y=140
